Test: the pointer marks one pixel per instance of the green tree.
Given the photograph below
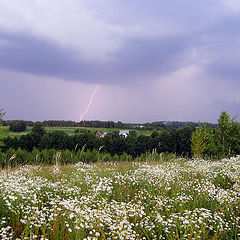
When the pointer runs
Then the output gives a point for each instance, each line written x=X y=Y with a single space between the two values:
x=227 y=134
x=38 y=129
x=142 y=144
x=130 y=143
x=224 y=141
x=224 y=131
x=2 y=113
x=108 y=144
x=18 y=126
x=37 y=133
x=199 y=141
x=184 y=140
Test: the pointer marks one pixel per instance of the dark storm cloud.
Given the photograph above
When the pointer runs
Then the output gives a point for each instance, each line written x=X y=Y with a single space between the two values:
x=137 y=59
x=40 y=57
x=141 y=58
x=169 y=31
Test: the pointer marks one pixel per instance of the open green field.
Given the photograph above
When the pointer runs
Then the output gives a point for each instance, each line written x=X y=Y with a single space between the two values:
x=175 y=199
x=4 y=131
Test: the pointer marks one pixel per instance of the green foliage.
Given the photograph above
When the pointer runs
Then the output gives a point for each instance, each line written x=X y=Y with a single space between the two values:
x=38 y=129
x=184 y=140
x=175 y=141
x=224 y=131
x=18 y=126
x=2 y=113
x=224 y=141
x=199 y=141
x=223 y=181
x=221 y=141
x=53 y=156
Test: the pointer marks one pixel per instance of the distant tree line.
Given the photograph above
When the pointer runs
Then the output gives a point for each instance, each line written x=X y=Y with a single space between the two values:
x=173 y=140
x=177 y=124
x=110 y=124
x=11 y=122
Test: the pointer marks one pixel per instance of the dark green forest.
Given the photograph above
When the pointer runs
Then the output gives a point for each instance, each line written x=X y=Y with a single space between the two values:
x=222 y=140
x=175 y=140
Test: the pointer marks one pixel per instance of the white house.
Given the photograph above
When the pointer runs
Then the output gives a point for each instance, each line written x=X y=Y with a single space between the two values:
x=124 y=133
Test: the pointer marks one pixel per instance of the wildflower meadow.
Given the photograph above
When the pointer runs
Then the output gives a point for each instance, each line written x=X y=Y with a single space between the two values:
x=174 y=199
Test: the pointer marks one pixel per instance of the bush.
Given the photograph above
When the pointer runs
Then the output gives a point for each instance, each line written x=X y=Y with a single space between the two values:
x=18 y=126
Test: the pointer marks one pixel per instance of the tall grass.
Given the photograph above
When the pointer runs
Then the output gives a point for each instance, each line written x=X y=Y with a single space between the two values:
x=50 y=156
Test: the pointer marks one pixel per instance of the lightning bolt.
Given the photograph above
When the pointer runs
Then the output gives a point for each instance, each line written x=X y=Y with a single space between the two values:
x=90 y=102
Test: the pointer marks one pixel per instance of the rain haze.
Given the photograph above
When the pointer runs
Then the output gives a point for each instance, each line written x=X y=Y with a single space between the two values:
x=143 y=60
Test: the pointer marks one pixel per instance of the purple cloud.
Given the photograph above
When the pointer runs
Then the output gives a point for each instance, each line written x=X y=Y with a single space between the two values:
x=181 y=54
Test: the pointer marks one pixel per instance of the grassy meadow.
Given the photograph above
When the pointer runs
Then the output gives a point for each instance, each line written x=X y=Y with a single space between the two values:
x=4 y=130
x=175 y=199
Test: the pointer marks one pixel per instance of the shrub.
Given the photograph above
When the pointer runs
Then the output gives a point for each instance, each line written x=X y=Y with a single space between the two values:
x=18 y=126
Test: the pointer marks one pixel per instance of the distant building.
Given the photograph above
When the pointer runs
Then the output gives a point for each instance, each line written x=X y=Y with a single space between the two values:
x=124 y=133
x=104 y=134
x=101 y=135
x=97 y=133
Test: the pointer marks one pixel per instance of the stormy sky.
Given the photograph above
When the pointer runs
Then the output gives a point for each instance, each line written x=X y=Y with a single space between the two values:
x=153 y=60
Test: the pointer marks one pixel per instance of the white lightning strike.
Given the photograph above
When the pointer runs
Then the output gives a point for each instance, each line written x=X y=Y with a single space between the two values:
x=90 y=102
